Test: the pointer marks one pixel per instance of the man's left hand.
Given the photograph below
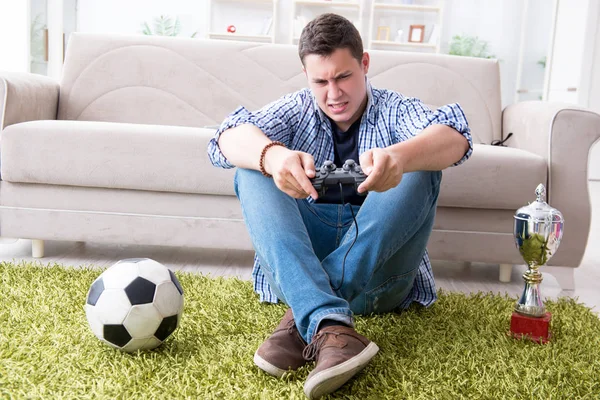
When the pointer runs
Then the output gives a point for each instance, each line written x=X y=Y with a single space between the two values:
x=383 y=169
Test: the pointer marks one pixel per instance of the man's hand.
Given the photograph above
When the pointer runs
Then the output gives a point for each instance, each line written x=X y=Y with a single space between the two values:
x=383 y=169
x=291 y=171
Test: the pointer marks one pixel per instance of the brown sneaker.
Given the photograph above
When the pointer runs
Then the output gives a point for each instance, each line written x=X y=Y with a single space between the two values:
x=282 y=351
x=340 y=353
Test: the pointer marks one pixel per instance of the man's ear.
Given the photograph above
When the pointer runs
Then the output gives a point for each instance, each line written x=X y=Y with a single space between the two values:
x=365 y=62
x=304 y=70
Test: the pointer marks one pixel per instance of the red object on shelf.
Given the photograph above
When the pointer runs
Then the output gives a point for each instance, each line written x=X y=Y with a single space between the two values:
x=536 y=329
x=231 y=29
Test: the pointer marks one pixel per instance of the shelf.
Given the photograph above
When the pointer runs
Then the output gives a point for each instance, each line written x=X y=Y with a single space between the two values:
x=403 y=44
x=235 y=36
x=411 y=14
x=325 y=3
x=406 y=7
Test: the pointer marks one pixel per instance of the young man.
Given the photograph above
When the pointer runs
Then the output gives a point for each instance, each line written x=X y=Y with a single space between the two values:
x=309 y=252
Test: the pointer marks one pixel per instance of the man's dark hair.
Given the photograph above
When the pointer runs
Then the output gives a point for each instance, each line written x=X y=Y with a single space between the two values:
x=327 y=33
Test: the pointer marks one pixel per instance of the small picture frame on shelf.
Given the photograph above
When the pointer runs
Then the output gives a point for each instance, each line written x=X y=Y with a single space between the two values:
x=416 y=33
x=383 y=33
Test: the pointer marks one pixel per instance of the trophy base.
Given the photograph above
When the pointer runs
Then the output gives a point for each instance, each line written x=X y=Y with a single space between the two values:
x=536 y=329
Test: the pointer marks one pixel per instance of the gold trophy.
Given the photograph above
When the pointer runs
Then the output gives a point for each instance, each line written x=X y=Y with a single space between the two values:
x=538 y=230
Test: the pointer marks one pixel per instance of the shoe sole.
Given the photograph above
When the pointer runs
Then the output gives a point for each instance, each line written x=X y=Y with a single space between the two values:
x=333 y=378
x=268 y=367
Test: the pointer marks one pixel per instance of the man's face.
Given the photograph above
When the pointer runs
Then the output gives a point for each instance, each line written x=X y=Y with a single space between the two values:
x=338 y=83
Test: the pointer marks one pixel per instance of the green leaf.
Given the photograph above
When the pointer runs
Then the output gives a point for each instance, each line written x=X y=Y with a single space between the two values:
x=469 y=46
x=147 y=30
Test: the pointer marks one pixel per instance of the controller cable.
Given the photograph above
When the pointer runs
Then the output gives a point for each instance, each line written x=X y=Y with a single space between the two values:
x=354 y=241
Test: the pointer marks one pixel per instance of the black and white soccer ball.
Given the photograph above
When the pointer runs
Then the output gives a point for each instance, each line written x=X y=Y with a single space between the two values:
x=136 y=304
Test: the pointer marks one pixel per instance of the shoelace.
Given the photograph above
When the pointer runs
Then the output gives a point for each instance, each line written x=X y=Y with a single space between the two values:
x=291 y=325
x=311 y=351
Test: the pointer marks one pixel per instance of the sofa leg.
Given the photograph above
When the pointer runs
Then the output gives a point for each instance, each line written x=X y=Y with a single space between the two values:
x=37 y=248
x=505 y=272
x=564 y=275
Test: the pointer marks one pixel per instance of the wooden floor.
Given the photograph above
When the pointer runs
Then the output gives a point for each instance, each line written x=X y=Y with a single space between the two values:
x=461 y=277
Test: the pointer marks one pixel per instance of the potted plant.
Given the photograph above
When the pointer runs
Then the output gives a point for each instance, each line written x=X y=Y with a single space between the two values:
x=164 y=25
x=470 y=46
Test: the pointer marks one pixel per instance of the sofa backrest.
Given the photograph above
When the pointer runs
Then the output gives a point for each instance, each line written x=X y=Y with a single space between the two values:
x=198 y=82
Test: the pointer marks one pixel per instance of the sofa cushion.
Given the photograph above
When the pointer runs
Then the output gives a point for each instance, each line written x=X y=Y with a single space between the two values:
x=112 y=155
x=174 y=159
x=495 y=177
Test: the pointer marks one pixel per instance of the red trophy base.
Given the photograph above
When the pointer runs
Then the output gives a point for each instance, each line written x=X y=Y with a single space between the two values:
x=536 y=329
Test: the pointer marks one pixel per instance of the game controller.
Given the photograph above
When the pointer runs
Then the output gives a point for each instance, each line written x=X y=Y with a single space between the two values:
x=329 y=176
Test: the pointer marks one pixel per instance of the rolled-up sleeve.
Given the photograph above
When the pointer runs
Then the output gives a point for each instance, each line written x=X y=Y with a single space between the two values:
x=239 y=117
x=276 y=120
x=414 y=116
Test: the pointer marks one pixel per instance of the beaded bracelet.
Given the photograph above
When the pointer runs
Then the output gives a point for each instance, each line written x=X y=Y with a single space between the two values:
x=262 y=157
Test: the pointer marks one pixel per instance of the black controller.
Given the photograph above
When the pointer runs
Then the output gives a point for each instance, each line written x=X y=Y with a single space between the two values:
x=329 y=176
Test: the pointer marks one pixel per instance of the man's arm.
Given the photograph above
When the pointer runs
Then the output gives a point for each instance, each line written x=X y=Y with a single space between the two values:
x=427 y=140
x=291 y=170
x=437 y=147
x=243 y=144
x=243 y=136
x=273 y=122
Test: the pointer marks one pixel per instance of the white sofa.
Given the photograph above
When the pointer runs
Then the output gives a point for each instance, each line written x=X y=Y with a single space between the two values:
x=116 y=151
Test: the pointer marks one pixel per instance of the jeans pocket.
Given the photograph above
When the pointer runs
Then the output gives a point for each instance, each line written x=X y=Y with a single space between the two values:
x=390 y=294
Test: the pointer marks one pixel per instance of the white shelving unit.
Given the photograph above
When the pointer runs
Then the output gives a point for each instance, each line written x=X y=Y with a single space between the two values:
x=305 y=10
x=428 y=14
x=255 y=20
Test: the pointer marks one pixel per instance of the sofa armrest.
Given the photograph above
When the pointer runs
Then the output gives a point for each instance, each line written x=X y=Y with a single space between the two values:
x=27 y=97
x=563 y=134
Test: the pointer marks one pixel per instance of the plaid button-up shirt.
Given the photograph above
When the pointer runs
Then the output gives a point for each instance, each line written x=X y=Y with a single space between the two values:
x=389 y=118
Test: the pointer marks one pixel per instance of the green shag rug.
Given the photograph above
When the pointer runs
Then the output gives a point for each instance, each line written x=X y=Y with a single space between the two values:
x=458 y=348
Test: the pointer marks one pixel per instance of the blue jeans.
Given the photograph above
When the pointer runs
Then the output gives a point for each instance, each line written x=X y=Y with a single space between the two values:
x=301 y=246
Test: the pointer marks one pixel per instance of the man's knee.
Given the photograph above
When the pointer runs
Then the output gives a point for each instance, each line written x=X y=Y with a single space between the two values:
x=422 y=178
x=247 y=178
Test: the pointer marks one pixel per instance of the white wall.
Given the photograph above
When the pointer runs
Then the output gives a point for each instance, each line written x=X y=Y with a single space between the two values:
x=55 y=38
x=39 y=22
x=593 y=98
x=127 y=16
x=536 y=37
x=14 y=36
x=568 y=52
x=99 y=16
x=495 y=21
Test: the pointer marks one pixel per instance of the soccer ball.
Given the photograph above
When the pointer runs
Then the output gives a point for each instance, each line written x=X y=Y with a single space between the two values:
x=135 y=304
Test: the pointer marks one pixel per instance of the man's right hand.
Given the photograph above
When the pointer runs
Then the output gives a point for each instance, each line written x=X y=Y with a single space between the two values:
x=291 y=171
